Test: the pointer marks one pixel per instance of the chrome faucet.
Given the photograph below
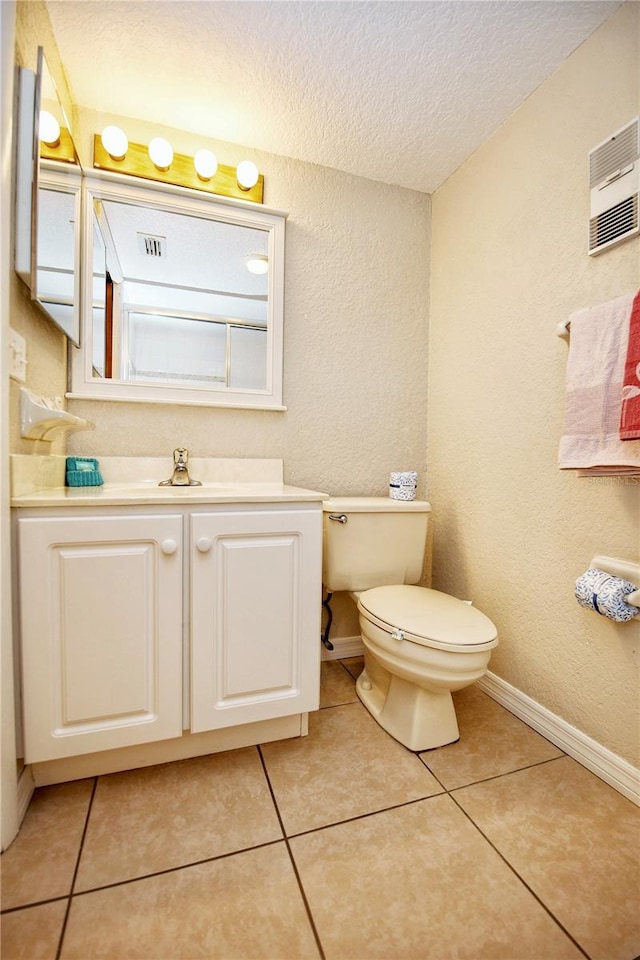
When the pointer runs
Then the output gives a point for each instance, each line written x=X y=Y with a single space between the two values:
x=180 y=476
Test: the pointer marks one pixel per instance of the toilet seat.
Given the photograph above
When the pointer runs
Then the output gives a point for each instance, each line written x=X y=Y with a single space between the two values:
x=428 y=617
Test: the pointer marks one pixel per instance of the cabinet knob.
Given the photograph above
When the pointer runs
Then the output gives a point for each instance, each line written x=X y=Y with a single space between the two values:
x=168 y=546
x=204 y=544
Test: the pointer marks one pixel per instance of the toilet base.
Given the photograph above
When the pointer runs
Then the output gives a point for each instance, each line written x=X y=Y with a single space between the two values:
x=419 y=719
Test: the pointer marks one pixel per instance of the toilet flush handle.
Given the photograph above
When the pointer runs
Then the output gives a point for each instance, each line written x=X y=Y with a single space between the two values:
x=340 y=517
x=397 y=634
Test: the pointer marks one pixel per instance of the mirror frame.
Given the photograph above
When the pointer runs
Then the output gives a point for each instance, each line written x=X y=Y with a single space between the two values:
x=32 y=172
x=124 y=189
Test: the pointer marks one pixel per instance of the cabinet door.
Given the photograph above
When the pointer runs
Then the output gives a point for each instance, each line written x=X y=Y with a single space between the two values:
x=101 y=612
x=255 y=615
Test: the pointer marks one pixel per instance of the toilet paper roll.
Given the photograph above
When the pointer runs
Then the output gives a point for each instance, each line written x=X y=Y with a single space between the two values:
x=402 y=484
x=601 y=591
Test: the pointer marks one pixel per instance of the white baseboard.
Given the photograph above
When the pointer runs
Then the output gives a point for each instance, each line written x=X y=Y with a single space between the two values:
x=618 y=773
x=343 y=647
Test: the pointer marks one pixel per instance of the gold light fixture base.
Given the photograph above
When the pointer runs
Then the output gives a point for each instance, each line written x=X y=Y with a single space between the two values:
x=64 y=151
x=182 y=172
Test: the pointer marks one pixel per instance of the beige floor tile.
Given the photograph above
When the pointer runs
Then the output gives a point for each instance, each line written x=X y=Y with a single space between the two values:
x=346 y=767
x=336 y=684
x=33 y=933
x=144 y=821
x=576 y=842
x=492 y=742
x=241 y=907
x=40 y=863
x=355 y=665
x=421 y=883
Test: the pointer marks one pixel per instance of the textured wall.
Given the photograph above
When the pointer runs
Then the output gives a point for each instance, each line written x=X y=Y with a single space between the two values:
x=509 y=262
x=356 y=303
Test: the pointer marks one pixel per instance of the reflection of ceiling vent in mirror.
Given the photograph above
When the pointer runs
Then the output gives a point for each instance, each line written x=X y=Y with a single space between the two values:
x=614 y=178
x=152 y=246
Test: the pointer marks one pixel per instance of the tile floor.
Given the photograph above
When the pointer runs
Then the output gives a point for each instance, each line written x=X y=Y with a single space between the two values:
x=340 y=845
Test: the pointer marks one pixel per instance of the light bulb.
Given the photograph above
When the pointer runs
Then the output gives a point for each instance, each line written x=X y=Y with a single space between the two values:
x=49 y=129
x=257 y=263
x=161 y=153
x=206 y=164
x=115 y=142
x=247 y=175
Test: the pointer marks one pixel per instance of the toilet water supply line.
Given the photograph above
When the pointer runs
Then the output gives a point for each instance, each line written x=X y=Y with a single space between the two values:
x=324 y=636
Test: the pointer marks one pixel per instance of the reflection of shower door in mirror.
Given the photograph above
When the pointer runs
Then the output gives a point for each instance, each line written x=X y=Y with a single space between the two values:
x=200 y=351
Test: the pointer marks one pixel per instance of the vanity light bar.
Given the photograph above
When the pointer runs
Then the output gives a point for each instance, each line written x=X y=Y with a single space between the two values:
x=181 y=172
x=64 y=149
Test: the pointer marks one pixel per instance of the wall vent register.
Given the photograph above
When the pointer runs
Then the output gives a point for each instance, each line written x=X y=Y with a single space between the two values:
x=151 y=246
x=614 y=179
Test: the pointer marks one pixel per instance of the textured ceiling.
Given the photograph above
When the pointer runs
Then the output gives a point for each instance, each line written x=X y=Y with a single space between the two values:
x=398 y=91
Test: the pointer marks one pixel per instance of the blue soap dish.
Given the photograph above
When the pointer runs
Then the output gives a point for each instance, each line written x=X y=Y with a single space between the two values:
x=83 y=472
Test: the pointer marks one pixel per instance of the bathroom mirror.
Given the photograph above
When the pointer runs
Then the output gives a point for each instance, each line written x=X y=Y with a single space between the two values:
x=57 y=283
x=182 y=297
x=48 y=197
x=48 y=182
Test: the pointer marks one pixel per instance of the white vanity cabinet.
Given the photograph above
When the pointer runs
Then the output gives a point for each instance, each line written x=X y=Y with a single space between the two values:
x=101 y=627
x=172 y=623
x=255 y=597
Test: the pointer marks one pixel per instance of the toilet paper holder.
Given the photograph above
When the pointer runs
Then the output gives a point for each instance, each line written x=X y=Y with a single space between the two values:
x=621 y=568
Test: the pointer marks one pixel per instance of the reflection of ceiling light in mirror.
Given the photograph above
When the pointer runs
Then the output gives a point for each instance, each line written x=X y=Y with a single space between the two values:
x=161 y=153
x=247 y=175
x=115 y=142
x=206 y=164
x=49 y=129
x=257 y=263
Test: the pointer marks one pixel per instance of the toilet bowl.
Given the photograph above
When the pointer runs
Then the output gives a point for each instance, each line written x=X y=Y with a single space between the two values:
x=420 y=645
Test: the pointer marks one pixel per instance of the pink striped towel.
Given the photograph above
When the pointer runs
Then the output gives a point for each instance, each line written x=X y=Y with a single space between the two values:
x=595 y=374
x=630 y=412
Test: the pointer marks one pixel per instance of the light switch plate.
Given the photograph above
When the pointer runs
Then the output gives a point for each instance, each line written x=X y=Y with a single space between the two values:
x=17 y=356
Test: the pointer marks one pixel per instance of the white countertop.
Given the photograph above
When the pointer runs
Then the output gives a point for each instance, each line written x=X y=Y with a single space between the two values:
x=114 y=494
x=128 y=481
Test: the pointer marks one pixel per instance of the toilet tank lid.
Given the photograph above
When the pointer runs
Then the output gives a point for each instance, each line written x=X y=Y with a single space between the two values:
x=374 y=505
x=428 y=616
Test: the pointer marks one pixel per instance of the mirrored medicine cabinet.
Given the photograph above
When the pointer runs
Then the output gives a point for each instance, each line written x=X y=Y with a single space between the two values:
x=48 y=198
x=171 y=308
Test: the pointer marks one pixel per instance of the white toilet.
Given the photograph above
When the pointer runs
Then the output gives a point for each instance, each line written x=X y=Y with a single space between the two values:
x=419 y=644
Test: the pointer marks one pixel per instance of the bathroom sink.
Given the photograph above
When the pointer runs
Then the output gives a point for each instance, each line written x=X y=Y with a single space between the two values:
x=213 y=472
x=135 y=480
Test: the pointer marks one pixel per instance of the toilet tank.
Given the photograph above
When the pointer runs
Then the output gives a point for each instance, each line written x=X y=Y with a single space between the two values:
x=381 y=542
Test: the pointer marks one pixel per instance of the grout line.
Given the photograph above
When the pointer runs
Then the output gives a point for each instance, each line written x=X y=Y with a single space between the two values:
x=177 y=868
x=330 y=706
x=291 y=858
x=429 y=770
x=363 y=816
x=520 y=878
x=346 y=670
x=34 y=903
x=77 y=866
x=499 y=776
